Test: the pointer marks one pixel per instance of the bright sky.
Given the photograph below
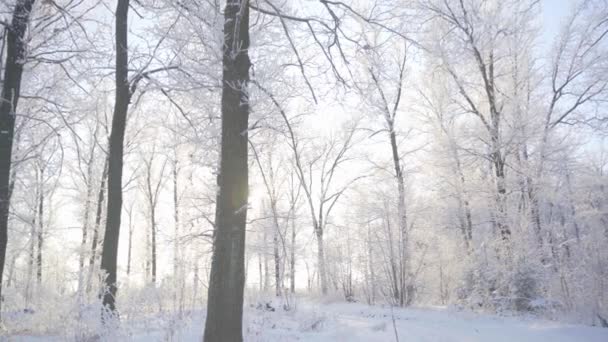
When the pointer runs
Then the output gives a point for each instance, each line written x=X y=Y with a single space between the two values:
x=553 y=13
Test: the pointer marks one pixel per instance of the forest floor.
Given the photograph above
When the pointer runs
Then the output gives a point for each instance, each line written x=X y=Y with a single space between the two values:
x=348 y=322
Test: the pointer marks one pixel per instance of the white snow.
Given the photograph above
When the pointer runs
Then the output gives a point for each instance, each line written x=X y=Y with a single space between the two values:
x=357 y=322
x=352 y=322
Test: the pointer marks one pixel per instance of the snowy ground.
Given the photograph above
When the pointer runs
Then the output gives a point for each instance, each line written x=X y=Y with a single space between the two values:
x=355 y=322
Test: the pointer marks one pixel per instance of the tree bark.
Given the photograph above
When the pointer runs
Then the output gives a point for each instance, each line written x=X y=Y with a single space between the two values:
x=153 y=234
x=13 y=70
x=85 y=224
x=321 y=260
x=401 y=211
x=98 y=215
x=31 y=254
x=227 y=280
x=501 y=191
x=40 y=228
x=119 y=121
x=393 y=275
x=278 y=282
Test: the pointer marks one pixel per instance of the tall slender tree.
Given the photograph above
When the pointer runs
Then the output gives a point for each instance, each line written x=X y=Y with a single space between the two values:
x=385 y=101
x=117 y=137
x=11 y=86
x=151 y=190
x=125 y=88
x=227 y=280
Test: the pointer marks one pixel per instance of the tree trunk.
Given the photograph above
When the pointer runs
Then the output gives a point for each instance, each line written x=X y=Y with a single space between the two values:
x=98 y=214
x=176 y=220
x=31 y=256
x=195 y=280
x=401 y=211
x=40 y=228
x=129 y=247
x=266 y=267
x=110 y=242
x=292 y=268
x=153 y=235
x=498 y=164
x=177 y=273
x=152 y=193
x=148 y=261
x=463 y=199
x=85 y=224
x=321 y=260
x=13 y=70
x=260 y=262
x=11 y=272
x=278 y=282
x=227 y=280
x=393 y=275
x=277 y=265
x=370 y=261
x=535 y=213
x=400 y=183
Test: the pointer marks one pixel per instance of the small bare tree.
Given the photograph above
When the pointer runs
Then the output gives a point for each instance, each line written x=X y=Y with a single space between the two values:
x=151 y=184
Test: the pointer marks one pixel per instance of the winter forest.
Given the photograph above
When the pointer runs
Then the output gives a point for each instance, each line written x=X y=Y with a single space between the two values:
x=318 y=170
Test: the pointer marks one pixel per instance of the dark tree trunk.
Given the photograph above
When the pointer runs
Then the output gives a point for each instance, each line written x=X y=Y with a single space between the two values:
x=227 y=280
x=13 y=69
x=119 y=121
